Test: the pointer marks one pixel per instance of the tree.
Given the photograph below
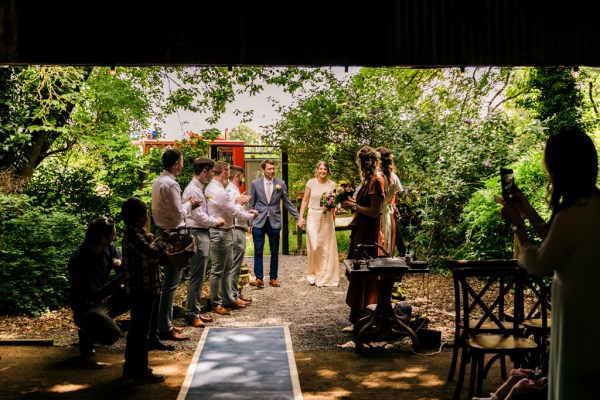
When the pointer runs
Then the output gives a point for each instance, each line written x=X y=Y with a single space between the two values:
x=244 y=133
x=47 y=110
x=553 y=96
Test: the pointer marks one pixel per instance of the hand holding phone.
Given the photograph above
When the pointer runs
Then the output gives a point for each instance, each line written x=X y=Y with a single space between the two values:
x=508 y=183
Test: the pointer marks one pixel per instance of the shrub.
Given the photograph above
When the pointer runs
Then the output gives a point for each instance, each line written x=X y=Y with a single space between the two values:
x=486 y=234
x=35 y=247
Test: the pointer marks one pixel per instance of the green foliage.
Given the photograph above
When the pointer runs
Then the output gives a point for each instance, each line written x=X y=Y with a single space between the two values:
x=35 y=246
x=552 y=95
x=487 y=236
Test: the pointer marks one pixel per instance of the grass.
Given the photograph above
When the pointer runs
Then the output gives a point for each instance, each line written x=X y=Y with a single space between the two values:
x=342 y=237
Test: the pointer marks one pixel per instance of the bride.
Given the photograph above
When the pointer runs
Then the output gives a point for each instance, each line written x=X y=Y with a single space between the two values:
x=321 y=244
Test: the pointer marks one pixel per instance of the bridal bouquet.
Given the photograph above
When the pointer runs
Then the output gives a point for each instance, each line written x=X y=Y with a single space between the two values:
x=332 y=200
x=344 y=191
x=328 y=201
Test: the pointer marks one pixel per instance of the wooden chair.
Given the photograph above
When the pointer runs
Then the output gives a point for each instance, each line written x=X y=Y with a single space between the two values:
x=537 y=321
x=486 y=326
x=482 y=291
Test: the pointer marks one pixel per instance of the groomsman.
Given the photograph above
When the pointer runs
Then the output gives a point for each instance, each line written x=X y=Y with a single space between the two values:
x=168 y=211
x=236 y=179
x=267 y=195
x=220 y=204
x=199 y=222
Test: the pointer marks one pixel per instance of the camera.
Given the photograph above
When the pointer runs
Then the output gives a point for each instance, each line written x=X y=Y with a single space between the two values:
x=508 y=183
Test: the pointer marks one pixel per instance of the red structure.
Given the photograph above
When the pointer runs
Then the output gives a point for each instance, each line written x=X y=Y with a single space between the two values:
x=230 y=151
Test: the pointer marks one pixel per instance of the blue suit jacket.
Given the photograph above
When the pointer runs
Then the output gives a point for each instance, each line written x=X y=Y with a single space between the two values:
x=272 y=209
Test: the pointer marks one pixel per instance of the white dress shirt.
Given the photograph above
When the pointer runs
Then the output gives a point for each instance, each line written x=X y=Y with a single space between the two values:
x=221 y=204
x=167 y=210
x=198 y=217
x=234 y=192
x=269 y=190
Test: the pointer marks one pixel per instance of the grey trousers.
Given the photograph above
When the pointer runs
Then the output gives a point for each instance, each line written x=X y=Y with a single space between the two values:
x=221 y=255
x=239 y=249
x=198 y=263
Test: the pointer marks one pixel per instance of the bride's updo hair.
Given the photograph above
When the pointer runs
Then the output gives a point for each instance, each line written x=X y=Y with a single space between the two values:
x=367 y=160
x=325 y=164
x=387 y=162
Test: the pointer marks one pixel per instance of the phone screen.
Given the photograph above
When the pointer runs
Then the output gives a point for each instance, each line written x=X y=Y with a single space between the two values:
x=508 y=183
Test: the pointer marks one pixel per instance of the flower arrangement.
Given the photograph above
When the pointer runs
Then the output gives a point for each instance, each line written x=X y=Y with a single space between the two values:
x=343 y=192
x=332 y=200
x=328 y=201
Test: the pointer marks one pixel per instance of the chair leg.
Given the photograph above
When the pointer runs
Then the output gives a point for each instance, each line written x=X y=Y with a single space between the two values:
x=480 y=374
x=464 y=360
x=457 y=346
x=475 y=366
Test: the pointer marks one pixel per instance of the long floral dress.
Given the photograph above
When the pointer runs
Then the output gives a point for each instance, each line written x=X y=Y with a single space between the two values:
x=321 y=244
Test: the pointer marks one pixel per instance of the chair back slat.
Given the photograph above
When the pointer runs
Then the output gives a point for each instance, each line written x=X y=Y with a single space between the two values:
x=500 y=285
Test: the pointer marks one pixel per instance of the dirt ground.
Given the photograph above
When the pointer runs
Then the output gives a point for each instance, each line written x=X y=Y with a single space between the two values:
x=59 y=373
x=327 y=366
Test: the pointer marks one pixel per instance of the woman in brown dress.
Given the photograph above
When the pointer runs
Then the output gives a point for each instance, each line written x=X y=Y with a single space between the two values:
x=365 y=227
x=366 y=224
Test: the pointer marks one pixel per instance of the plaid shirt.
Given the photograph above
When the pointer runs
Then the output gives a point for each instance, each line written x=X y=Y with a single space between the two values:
x=140 y=261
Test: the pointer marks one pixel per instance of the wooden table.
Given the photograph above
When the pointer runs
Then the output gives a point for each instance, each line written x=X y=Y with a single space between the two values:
x=384 y=321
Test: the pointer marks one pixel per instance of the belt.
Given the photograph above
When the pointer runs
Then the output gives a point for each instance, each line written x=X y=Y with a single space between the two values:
x=241 y=228
x=222 y=229
x=199 y=229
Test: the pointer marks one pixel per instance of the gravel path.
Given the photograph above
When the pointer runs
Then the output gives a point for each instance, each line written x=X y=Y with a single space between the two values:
x=315 y=315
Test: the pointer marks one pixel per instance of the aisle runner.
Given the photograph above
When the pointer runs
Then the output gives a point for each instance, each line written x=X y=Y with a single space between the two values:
x=242 y=363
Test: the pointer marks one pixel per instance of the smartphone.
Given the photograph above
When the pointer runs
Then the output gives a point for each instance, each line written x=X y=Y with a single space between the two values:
x=507 y=181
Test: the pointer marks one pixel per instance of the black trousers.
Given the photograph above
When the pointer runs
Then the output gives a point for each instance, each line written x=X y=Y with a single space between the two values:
x=97 y=323
x=144 y=313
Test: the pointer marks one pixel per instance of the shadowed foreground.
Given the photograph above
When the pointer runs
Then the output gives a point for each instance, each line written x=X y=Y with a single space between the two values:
x=58 y=372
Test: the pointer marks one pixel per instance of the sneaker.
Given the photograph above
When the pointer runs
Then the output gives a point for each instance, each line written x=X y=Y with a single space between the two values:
x=148 y=377
x=144 y=377
x=86 y=345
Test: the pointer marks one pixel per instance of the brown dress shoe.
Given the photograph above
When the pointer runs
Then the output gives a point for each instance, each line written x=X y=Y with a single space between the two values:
x=246 y=299
x=206 y=318
x=178 y=330
x=172 y=335
x=219 y=309
x=258 y=283
x=195 y=321
x=274 y=283
x=237 y=304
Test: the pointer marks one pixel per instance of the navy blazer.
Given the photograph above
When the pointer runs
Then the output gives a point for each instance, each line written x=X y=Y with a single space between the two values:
x=272 y=209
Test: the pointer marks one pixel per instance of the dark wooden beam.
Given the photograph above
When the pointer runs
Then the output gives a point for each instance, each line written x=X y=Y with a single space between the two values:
x=421 y=33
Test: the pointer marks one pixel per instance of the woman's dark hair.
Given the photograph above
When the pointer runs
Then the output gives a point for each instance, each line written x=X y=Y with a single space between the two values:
x=387 y=162
x=170 y=158
x=133 y=210
x=99 y=229
x=571 y=161
x=367 y=160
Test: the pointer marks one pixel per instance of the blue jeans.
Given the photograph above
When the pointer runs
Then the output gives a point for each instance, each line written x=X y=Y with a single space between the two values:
x=198 y=264
x=171 y=279
x=221 y=255
x=258 y=236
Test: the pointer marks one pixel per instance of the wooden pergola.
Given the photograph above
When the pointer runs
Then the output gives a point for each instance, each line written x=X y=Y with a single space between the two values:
x=415 y=33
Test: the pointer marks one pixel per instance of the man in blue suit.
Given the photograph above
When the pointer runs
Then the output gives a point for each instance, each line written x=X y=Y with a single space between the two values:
x=267 y=194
